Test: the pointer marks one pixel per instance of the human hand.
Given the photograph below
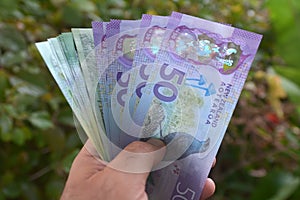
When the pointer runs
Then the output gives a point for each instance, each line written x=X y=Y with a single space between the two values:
x=92 y=178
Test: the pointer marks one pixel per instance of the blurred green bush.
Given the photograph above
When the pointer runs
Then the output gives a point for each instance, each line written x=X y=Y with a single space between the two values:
x=259 y=158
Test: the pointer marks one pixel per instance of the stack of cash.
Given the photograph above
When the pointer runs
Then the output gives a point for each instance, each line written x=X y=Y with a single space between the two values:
x=176 y=78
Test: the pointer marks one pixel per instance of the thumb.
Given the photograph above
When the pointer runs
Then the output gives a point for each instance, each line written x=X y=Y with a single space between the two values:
x=139 y=157
x=135 y=162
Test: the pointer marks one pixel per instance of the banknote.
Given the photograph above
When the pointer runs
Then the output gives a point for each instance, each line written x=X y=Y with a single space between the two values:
x=199 y=73
x=149 y=39
x=84 y=42
x=99 y=28
x=55 y=64
x=218 y=59
x=99 y=35
x=84 y=48
x=55 y=70
x=120 y=40
x=149 y=44
x=80 y=89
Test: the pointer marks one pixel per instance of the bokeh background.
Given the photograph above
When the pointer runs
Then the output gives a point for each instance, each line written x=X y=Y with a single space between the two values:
x=259 y=157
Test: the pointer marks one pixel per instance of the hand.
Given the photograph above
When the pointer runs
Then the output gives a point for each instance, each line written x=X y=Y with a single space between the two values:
x=92 y=178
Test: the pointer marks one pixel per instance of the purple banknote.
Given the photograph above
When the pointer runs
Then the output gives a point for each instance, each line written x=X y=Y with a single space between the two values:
x=188 y=99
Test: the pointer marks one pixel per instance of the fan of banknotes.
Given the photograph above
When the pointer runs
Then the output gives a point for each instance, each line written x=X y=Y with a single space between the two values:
x=176 y=78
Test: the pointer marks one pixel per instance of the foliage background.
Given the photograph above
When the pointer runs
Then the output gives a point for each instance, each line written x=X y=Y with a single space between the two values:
x=259 y=158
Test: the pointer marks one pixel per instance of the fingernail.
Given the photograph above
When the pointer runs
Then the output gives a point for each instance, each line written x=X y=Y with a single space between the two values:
x=156 y=142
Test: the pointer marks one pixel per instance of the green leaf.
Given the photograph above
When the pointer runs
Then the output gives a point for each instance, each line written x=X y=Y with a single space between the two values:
x=55 y=140
x=19 y=136
x=10 y=110
x=3 y=85
x=41 y=120
x=33 y=7
x=25 y=104
x=290 y=184
x=88 y=7
x=277 y=185
x=284 y=16
x=68 y=160
x=14 y=40
x=7 y=8
x=54 y=188
x=71 y=16
x=25 y=87
x=291 y=89
x=10 y=58
x=73 y=141
x=280 y=13
x=290 y=73
x=6 y=123
x=30 y=71
x=66 y=117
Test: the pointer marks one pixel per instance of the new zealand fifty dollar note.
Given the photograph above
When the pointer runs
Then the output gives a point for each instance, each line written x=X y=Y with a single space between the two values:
x=188 y=99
